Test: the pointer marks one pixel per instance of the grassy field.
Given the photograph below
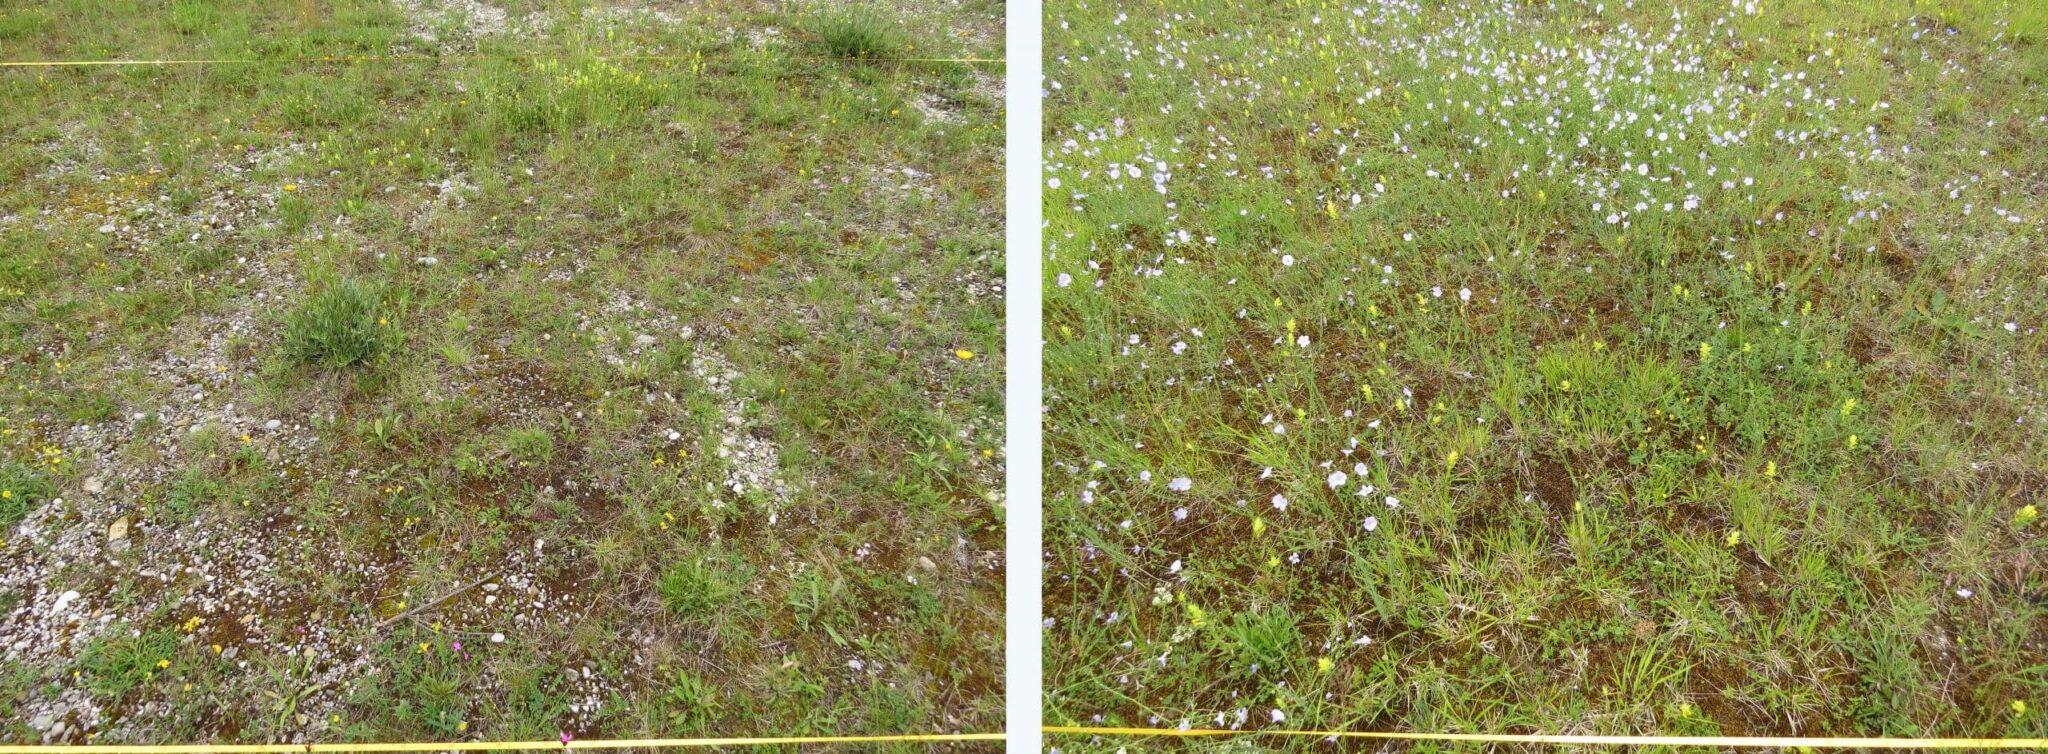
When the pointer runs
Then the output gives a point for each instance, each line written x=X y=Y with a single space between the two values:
x=1570 y=367
x=662 y=340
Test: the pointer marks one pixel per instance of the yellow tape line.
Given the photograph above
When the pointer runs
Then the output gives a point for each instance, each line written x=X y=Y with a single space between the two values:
x=628 y=743
x=1505 y=738
x=419 y=58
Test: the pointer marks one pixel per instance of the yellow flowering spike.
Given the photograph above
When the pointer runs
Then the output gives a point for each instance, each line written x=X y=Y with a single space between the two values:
x=964 y=354
x=1258 y=526
x=1324 y=664
x=1734 y=538
x=1451 y=460
x=1771 y=470
x=2019 y=707
x=1852 y=442
x=1848 y=406
x=2026 y=514
x=1706 y=352
x=1196 y=617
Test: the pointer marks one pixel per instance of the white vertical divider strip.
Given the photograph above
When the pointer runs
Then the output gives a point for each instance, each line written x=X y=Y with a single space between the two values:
x=1023 y=342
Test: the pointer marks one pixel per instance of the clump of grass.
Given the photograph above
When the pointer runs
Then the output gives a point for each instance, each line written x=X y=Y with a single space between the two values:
x=856 y=32
x=338 y=327
x=696 y=589
x=21 y=490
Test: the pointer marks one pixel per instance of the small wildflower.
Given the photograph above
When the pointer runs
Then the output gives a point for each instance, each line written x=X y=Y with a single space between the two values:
x=1324 y=664
x=964 y=354
x=2019 y=707
x=2026 y=514
x=1734 y=538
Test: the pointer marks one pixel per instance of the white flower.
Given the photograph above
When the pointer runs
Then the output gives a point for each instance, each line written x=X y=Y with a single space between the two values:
x=1337 y=479
x=1175 y=568
x=1278 y=716
x=1180 y=484
x=1279 y=502
x=1464 y=294
x=1052 y=183
x=1064 y=280
x=1180 y=514
x=2012 y=327
x=1301 y=341
x=1372 y=523
x=1287 y=260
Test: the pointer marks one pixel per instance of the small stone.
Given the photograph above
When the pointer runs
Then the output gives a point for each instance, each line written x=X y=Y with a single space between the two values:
x=118 y=530
x=94 y=486
x=272 y=424
x=230 y=652
x=643 y=340
x=107 y=228
x=497 y=638
x=927 y=563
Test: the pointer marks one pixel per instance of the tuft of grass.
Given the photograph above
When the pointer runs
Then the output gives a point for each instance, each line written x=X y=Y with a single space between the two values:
x=340 y=326
x=21 y=489
x=857 y=31
x=696 y=589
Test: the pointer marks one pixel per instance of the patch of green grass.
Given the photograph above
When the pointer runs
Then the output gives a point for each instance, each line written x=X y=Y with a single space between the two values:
x=113 y=666
x=22 y=489
x=857 y=31
x=342 y=325
x=695 y=590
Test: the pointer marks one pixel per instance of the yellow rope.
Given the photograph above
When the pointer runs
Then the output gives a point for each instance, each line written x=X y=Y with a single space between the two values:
x=627 y=743
x=1583 y=740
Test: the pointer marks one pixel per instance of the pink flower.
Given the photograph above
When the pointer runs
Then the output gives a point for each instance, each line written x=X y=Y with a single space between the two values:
x=566 y=738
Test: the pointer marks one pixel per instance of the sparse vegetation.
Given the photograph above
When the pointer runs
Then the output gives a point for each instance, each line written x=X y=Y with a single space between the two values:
x=541 y=299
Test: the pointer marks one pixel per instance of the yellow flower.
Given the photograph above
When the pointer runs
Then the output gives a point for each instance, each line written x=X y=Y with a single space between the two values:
x=964 y=354
x=462 y=727
x=162 y=664
x=1852 y=442
x=1323 y=664
x=291 y=187
x=2026 y=514
x=1771 y=470
x=1848 y=406
x=1258 y=526
x=1734 y=538
x=1452 y=459
x=2019 y=707
x=1706 y=351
